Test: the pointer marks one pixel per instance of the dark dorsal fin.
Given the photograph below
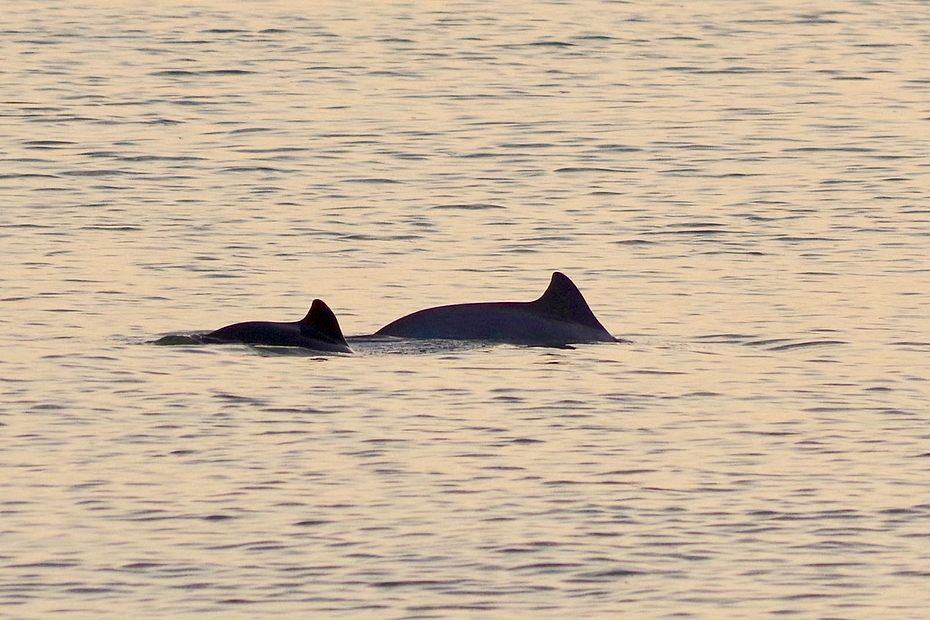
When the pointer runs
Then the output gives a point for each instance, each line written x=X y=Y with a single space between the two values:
x=321 y=324
x=564 y=301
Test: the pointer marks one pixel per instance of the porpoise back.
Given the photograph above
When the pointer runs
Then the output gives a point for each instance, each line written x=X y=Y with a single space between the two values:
x=319 y=330
x=561 y=316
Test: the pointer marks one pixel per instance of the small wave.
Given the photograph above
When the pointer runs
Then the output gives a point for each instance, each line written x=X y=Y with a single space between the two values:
x=47 y=144
x=550 y=44
x=604 y=575
x=26 y=175
x=239 y=169
x=94 y=173
x=634 y=242
x=766 y=342
x=807 y=344
x=113 y=228
x=172 y=73
x=474 y=206
x=371 y=180
x=590 y=169
x=189 y=73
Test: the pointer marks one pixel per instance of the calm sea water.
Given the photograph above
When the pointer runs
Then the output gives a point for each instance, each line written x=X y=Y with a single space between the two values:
x=741 y=190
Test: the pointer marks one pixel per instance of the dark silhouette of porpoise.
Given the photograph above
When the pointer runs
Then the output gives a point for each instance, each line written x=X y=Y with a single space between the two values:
x=559 y=318
x=319 y=330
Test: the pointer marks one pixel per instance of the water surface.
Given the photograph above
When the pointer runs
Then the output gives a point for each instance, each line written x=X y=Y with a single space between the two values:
x=739 y=190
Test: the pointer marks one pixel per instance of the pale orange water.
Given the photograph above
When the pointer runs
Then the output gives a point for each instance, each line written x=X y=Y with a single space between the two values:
x=739 y=189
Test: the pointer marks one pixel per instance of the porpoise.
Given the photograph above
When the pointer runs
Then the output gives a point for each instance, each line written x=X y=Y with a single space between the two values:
x=319 y=330
x=561 y=316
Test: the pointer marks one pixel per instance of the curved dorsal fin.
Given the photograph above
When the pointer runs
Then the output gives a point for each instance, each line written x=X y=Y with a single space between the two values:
x=321 y=323
x=564 y=301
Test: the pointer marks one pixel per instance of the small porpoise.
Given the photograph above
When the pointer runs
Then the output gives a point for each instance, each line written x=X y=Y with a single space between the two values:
x=319 y=330
x=559 y=318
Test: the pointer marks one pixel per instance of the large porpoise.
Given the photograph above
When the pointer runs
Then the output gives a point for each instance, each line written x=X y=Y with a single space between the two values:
x=558 y=318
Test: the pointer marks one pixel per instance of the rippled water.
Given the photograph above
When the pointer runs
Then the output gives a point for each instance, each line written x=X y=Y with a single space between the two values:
x=739 y=189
